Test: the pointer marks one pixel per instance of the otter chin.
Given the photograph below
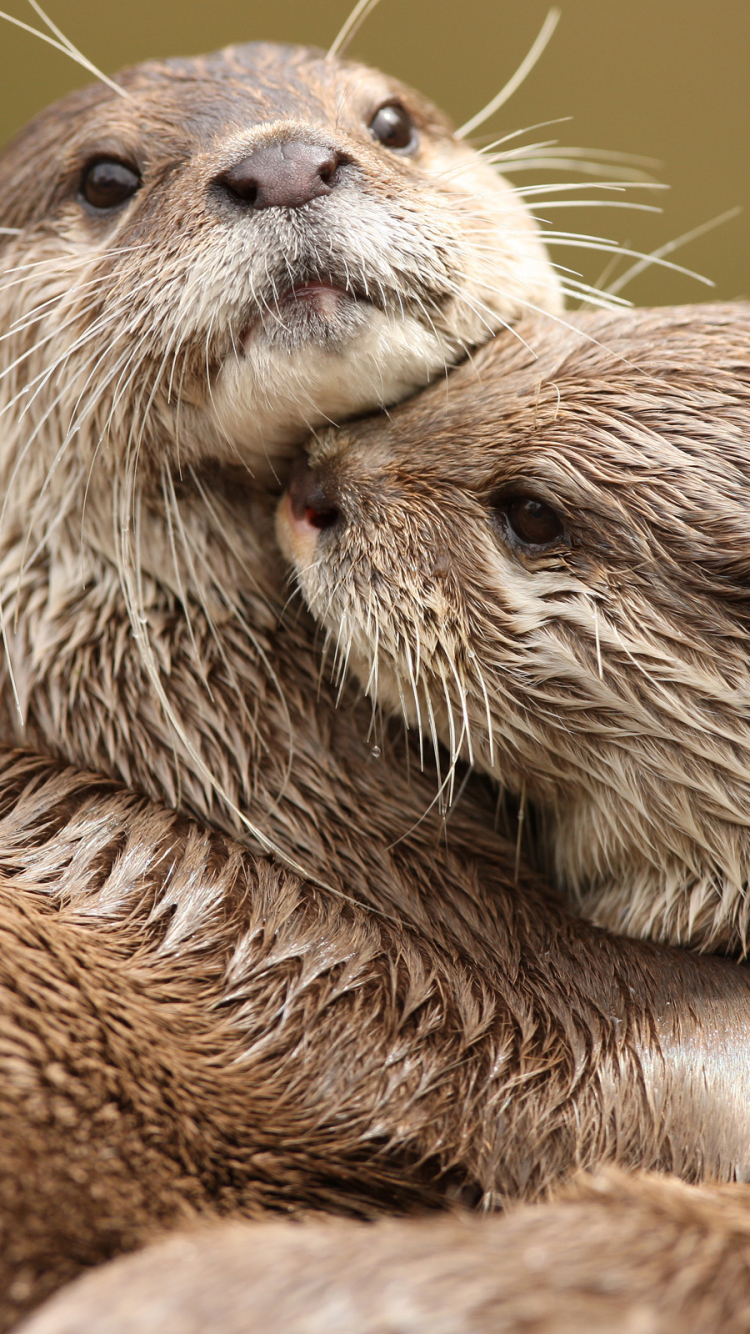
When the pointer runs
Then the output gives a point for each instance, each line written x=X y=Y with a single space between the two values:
x=310 y=312
x=543 y=563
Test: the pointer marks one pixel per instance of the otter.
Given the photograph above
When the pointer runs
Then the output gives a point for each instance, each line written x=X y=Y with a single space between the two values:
x=545 y=561
x=197 y=271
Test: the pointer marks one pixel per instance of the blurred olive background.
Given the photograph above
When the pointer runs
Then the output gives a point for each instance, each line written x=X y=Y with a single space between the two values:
x=662 y=78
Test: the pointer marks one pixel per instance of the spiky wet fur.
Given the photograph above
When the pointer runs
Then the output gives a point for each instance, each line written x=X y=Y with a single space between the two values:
x=189 y=1031
x=605 y=679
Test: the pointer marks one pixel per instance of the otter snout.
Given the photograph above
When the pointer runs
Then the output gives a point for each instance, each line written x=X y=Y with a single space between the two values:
x=313 y=496
x=310 y=505
x=285 y=174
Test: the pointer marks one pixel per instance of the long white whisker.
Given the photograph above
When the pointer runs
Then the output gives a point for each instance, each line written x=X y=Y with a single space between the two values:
x=618 y=187
x=65 y=47
x=526 y=66
x=347 y=33
x=574 y=242
x=646 y=261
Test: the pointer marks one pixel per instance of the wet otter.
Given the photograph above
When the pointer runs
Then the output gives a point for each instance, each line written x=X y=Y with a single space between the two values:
x=545 y=560
x=237 y=248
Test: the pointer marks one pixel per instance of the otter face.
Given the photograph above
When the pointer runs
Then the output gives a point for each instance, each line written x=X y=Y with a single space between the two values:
x=244 y=247
x=545 y=563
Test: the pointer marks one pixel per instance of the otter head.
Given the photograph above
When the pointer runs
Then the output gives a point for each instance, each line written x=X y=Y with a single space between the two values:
x=243 y=247
x=545 y=563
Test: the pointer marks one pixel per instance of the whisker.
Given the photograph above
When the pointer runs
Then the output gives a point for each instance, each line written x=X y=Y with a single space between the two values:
x=646 y=261
x=598 y=203
x=519 y=838
x=526 y=66
x=350 y=28
x=615 y=186
x=578 y=242
x=65 y=46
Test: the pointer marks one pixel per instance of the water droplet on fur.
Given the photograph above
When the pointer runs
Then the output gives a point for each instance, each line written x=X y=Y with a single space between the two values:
x=375 y=752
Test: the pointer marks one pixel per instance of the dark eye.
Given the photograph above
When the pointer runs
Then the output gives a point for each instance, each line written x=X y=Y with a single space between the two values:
x=393 y=126
x=531 y=521
x=107 y=184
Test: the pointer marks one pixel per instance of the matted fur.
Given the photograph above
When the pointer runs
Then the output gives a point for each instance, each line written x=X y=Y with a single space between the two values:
x=604 y=677
x=189 y=1031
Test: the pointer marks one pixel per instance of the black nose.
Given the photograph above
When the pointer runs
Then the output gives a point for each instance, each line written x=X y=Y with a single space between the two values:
x=313 y=496
x=283 y=175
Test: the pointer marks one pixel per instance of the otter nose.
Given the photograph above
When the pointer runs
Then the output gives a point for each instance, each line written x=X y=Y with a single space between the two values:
x=313 y=497
x=283 y=175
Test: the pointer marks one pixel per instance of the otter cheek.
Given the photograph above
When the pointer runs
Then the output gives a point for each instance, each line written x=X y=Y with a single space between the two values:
x=296 y=537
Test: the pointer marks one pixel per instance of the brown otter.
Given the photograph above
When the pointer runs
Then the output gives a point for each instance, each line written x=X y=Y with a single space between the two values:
x=545 y=560
x=237 y=248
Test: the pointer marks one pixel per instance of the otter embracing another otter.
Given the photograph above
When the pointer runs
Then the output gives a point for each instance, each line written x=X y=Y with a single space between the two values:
x=235 y=250
x=195 y=273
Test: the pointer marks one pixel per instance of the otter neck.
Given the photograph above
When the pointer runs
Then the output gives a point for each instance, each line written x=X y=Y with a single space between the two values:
x=118 y=634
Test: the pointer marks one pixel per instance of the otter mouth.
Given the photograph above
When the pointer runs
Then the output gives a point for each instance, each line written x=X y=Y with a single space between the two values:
x=317 y=310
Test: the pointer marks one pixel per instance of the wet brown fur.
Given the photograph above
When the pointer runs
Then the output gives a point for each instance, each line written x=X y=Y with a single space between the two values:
x=189 y=1031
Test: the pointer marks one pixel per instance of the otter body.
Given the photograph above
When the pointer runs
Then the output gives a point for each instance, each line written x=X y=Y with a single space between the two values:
x=551 y=563
x=614 y=1255
x=189 y=1032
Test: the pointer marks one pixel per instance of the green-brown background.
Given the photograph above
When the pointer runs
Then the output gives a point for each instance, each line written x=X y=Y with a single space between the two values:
x=666 y=79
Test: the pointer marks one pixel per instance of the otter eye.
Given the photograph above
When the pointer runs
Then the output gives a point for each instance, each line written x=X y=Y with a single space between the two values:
x=393 y=126
x=107 y=184
x=531 y=521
